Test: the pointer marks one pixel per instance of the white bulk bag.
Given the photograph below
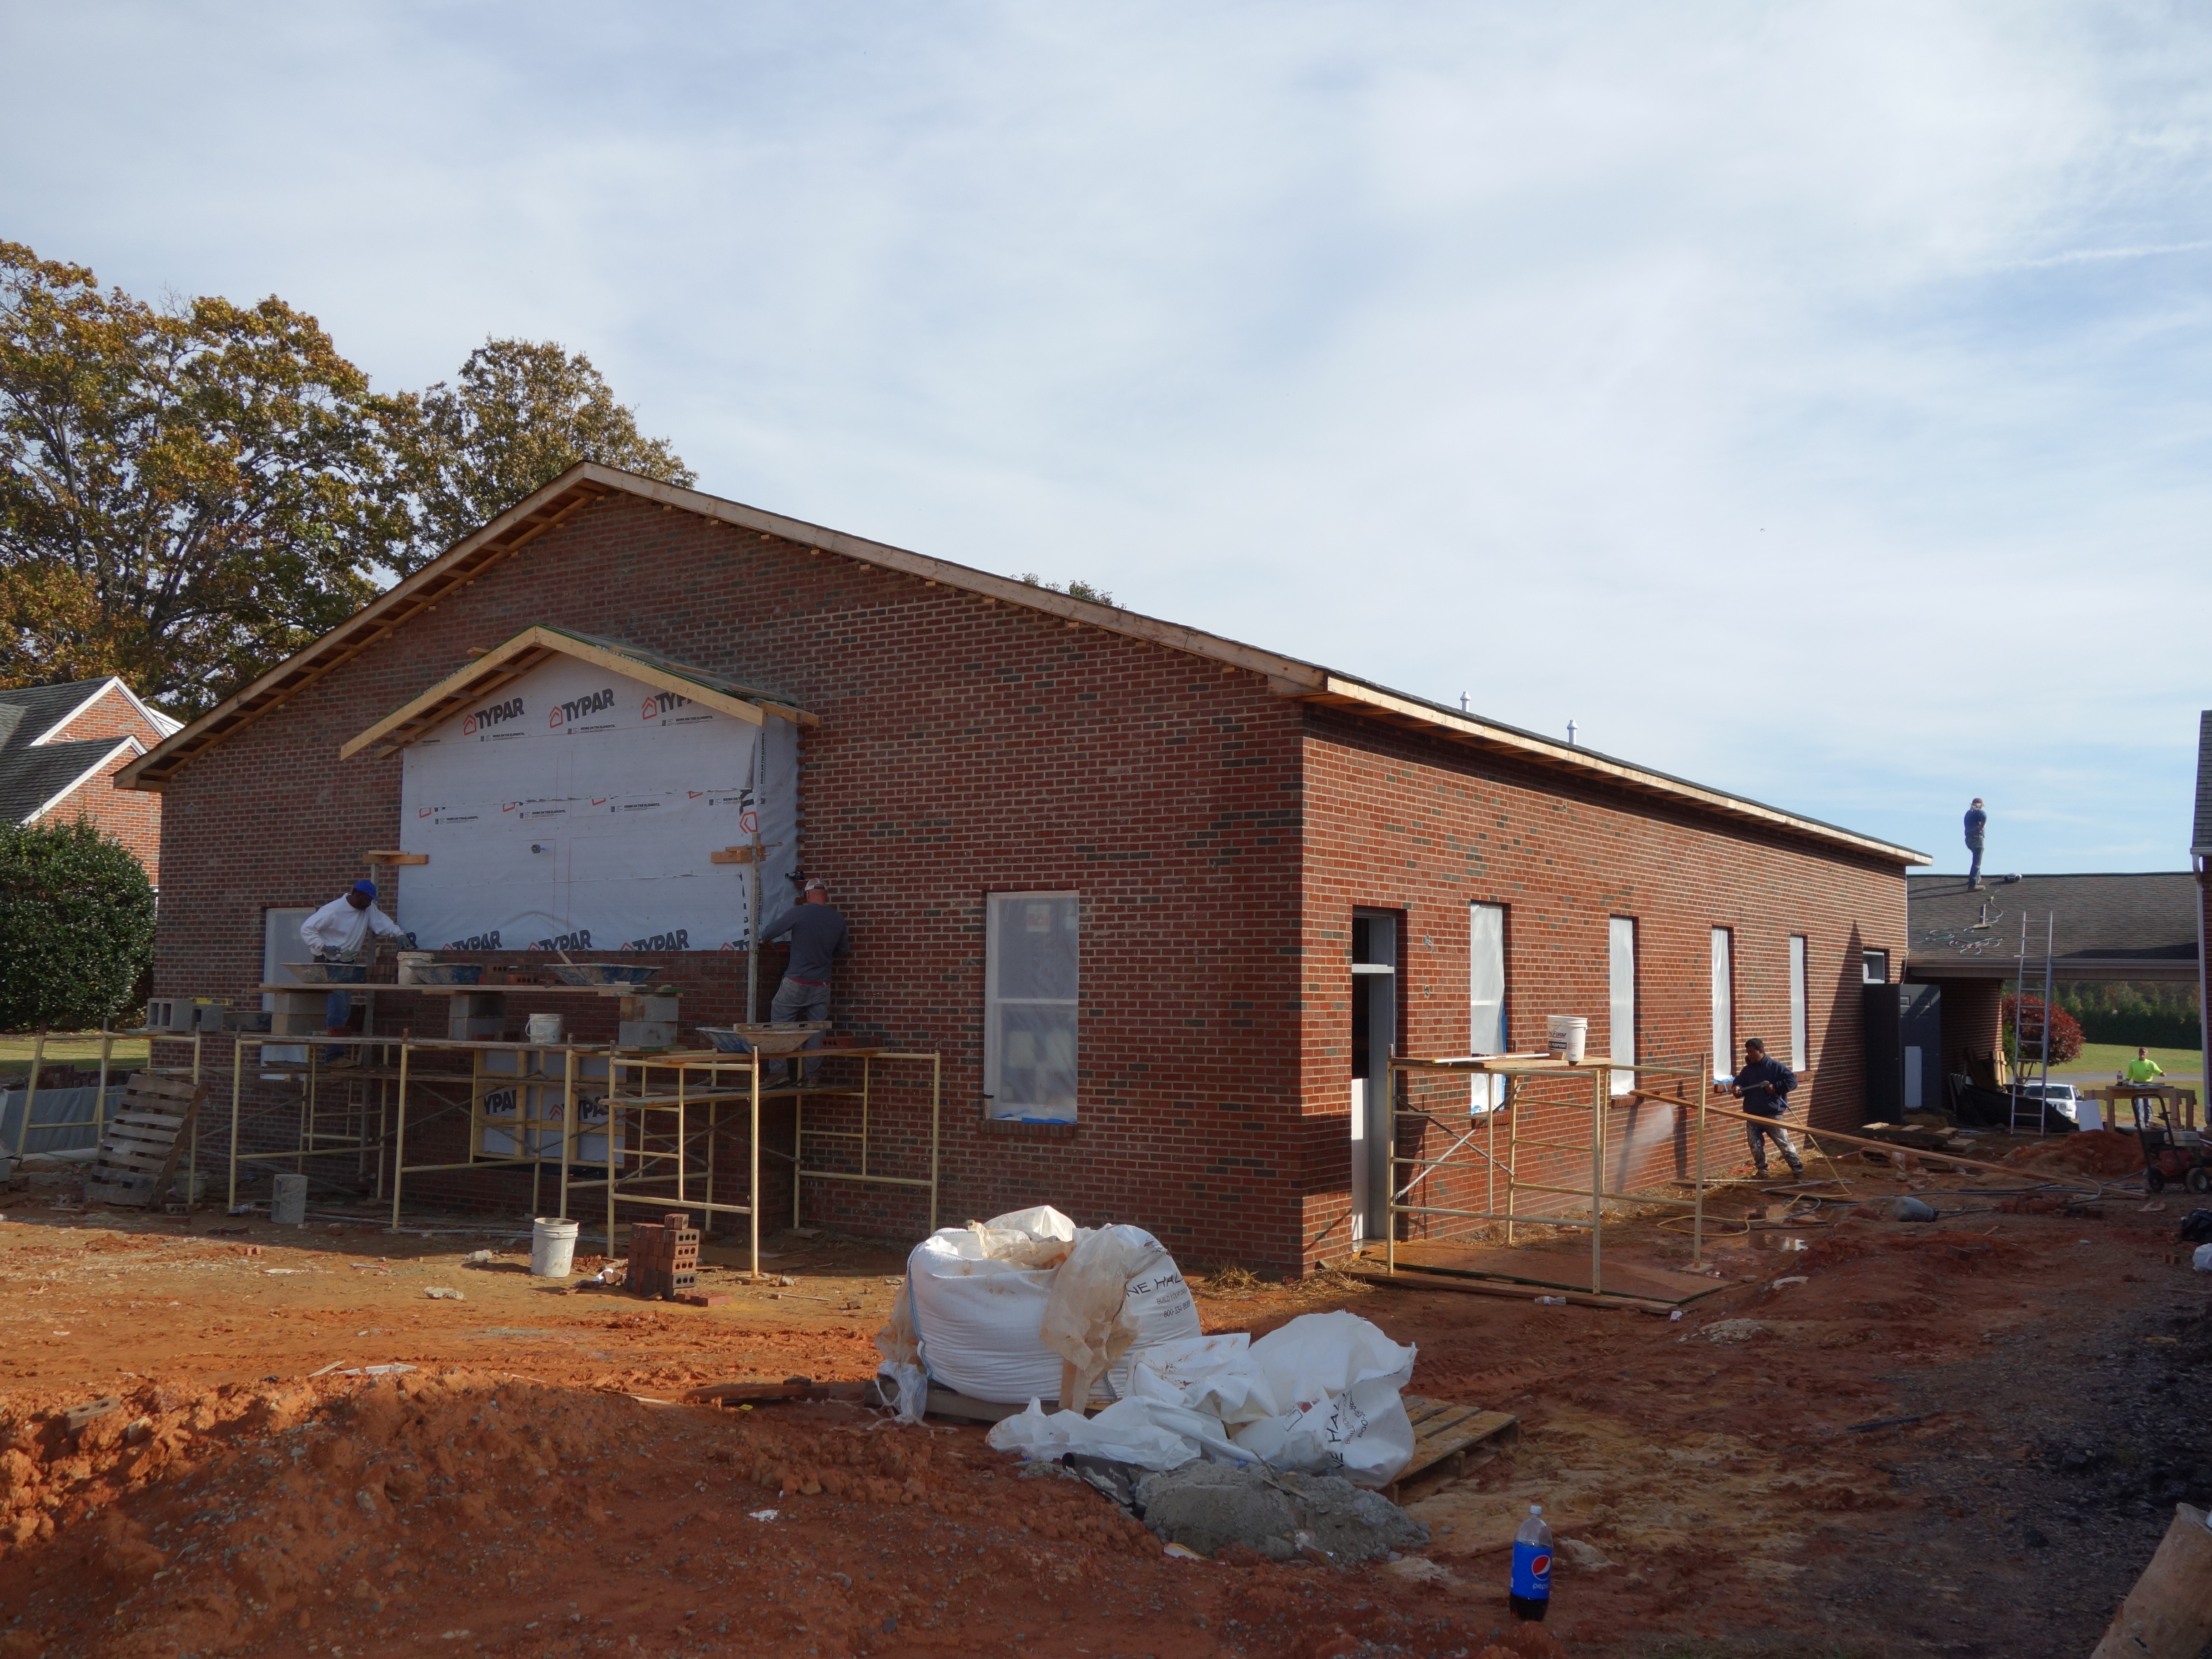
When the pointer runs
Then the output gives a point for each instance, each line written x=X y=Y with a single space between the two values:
x=980 y=1315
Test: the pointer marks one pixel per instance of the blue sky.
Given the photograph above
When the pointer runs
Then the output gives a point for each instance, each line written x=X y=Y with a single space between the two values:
x=1809 y=400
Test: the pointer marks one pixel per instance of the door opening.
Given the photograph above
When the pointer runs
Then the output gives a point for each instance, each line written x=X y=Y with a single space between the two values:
x=1374 y=1039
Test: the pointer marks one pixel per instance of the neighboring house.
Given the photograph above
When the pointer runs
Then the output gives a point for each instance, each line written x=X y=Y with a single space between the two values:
x=1165 y=901
x=60 y=749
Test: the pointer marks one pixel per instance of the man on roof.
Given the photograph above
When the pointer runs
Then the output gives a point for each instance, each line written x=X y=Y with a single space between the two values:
x=335 y=934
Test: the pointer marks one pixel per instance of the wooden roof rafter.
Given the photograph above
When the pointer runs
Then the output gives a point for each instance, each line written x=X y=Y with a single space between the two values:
x=506 y=663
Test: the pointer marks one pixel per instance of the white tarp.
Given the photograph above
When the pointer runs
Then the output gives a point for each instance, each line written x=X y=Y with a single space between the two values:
x=623 y=789
x=1319 y=1394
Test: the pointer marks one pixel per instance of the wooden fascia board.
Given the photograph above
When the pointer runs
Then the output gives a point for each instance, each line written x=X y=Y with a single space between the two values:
x=1366 y=699
x=516 y=656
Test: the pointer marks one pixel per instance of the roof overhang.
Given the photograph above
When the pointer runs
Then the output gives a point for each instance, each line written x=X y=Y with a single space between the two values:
x=533 y=646
x=2062 y=969
x=588 y=482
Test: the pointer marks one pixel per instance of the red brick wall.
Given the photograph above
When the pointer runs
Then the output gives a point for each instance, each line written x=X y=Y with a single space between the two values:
x=968 y=746
x=132 y=817
x=111 y=715
x=1398 y=821
x=965 y=747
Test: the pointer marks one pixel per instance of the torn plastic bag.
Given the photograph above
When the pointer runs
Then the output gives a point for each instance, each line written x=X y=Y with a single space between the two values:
x=980 y=1316
x=1319 y=1394
x=1090 y=1318
x=1149 y=1433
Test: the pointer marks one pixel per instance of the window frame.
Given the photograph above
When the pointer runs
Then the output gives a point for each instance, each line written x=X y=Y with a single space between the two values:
x=1801 y=1025
x=1722 y=947
x=1487 y=1093
x=994 y=1035
x=1624 y=1082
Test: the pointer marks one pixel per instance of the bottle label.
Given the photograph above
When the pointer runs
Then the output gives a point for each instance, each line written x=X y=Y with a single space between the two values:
x=1532 y=1572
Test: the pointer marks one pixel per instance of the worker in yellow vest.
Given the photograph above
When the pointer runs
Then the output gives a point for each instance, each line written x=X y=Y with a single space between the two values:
x=2141 y=1069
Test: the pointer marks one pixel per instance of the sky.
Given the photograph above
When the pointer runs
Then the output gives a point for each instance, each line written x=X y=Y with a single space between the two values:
x=1807 y=400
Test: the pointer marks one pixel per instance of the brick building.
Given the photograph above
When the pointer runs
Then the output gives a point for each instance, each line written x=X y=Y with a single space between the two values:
x=1259 y=874
x=60 y=749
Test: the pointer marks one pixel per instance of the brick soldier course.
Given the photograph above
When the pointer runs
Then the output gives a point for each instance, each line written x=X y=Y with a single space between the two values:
x=1221 y=810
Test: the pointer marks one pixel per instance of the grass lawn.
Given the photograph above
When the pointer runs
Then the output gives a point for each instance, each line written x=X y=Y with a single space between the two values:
x=2104 y=1060
x=81 y=1050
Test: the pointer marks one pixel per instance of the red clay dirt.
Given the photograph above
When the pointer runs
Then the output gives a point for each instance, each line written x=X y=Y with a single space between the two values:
x=532 y=1485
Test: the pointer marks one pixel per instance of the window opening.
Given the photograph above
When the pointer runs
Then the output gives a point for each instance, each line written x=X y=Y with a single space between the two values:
x=1486 y=999
x=1801 y=1048
x=1875 y=967
x=1620 y=1037
x=1723 y=1003
x=1032 y=959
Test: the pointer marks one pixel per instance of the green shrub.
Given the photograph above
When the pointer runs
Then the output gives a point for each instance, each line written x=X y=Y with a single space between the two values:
x=77 y=927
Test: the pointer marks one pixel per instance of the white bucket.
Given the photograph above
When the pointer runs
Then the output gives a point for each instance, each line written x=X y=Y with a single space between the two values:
x=410 y=960
x=190 y=1186
x=552 y=1247
x=1566 y=1038
x=287 y=1206
x=544 y=1028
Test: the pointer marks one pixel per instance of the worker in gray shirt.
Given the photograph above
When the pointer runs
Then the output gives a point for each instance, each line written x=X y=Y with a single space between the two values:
x=817 y=939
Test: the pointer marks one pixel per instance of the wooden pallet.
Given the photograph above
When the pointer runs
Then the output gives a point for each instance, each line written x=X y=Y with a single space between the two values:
x=145 y=1140
x=1443 y=1434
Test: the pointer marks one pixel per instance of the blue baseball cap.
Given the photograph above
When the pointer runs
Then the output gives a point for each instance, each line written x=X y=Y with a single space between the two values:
x=368 y=888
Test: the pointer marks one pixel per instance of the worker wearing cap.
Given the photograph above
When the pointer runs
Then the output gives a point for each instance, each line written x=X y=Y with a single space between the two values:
x=336 y=933
x=2143 y=1069
x=817 y=939
x=1765 y=1085
x=1978 y=821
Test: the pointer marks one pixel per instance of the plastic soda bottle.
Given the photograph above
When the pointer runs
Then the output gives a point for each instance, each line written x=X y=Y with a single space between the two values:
x=1530 y=1593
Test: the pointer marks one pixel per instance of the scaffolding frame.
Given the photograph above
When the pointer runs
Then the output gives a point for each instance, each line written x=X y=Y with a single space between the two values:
x=1693 y=1089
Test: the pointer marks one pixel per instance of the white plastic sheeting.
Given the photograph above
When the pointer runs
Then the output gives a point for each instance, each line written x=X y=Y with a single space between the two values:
x=978 y=1299
x=1321 y=1394
x=624 y=790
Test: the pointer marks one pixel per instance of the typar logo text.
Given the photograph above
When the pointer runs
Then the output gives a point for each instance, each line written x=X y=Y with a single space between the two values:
x=497 y=714
x=591 y=703
x=658 y=703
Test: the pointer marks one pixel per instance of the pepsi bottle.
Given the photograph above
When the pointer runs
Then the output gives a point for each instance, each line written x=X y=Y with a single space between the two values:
x=1530 y=1593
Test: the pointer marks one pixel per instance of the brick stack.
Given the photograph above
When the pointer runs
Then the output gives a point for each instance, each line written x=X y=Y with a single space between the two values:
x=664 y=1258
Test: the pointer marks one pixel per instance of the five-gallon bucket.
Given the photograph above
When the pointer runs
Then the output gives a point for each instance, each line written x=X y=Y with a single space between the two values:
x=544 y=1028
x=552 y=1247
x=288 y=1208
x=1566 y=1037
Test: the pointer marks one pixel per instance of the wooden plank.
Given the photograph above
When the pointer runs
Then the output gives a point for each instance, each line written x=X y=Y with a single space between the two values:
x=130 y=1161
x=943 y=1402
x=1443 y=1434
x=138 y=1140
x=382 y=856
x=147 y=1128
x=792 y=1388
x=135 y=1164
x=1464 y=1287
x=165 y=1085
x=1532 y=1267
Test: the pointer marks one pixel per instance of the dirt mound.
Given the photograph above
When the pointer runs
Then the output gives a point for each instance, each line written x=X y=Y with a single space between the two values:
x=2106 y=1153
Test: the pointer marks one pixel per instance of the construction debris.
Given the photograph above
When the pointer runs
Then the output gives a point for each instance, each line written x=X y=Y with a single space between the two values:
x=1210 y=1507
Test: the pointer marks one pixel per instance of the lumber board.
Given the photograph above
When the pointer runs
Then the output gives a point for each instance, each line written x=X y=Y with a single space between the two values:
x=1407 y=1281
x=1550 y=1272
x=943 y=1402
x=144 y=1135
x=2054 y=1178
x=159 y=1085
x=792 y=1388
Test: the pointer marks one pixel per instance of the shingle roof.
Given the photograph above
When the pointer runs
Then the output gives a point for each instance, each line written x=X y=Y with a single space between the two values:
x=29 y=778
x=2201 y=843
x=29 y=712
x=2150 y=918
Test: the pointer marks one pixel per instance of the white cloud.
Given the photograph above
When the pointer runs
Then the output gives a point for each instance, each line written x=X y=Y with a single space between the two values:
x=1806 y=400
